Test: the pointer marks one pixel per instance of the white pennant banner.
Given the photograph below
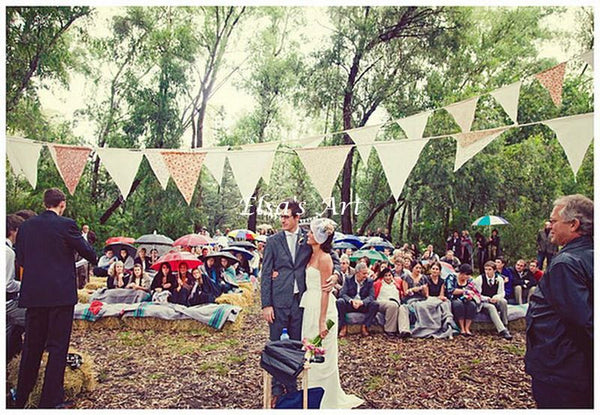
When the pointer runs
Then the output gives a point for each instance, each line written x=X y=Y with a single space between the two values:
x=23 y=156
x=157 y=163
x=215 y=162
x=364 y=136
x=122 y=164
x=398 y=158
x=247 y=169
x=574 y=135
x=323 y=165
x=508 y=97
x=414 y=125
x=270 y=147
x=463 y=113
x=469 y=144
x=588 y=57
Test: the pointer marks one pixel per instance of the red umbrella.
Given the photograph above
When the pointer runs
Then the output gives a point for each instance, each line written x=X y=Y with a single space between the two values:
x=175 y=258
x=119 y=240
x=193 y=239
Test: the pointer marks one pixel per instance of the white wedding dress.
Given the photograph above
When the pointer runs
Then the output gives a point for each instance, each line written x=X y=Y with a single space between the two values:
x=326 y=374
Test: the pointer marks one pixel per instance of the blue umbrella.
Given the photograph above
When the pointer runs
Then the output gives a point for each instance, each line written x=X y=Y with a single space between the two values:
x=489 y=220
x=239 y=250
x=378 y=243
x=351 y=239
x=344 y=245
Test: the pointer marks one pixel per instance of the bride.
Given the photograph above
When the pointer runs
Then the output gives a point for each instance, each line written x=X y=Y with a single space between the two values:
x=319 y=306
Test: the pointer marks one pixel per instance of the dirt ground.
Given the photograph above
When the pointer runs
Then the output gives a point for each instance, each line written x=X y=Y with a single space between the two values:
x=147 y=369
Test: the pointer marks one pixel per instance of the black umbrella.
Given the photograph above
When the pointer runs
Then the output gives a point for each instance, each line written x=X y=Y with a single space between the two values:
x=222 y=254
x=238 y=250
x=116 y=248
x=283 y=359
x=243 y=244
x=154 y=239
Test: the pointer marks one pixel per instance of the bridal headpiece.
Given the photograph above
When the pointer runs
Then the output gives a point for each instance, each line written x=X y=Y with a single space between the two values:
x=322 y=228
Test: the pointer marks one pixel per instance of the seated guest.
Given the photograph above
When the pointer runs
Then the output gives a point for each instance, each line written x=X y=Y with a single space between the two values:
x=357 y=296
x=389 y=292
x=229 y=275
x=506 y=274
x=464 y=296
x=451 y=259
x=142 y=259
x=105 y=261
x=212 y=269
x=435 y=284
x=398 y=270
x=524 y=282
x=139 y=280
x=429 y=256
x=491 y=286
x=153 y=256
x=164 y=280
x=534 y=271
x=345 y=271
x=416 y=285
x=243 y=265
x=184 y=276
x=180 y=294
x=407 y=263
x=125 y=259
x=203 y=291
x=117 y=276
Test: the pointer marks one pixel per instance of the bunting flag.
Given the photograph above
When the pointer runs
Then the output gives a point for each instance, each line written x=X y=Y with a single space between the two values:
x=70 y=162
x=469 y=144
x=588 y=57
x=184 y=167
x=574 y=134
x=552 y=79
x=414 y=125
x=364 y=136
x=398 y=158
x=508 y=98
x=214 y=162
x=157 y=163
x=247 y=169
x=270 y=147
x=323 y=165
x=463 y=113
x=23 y=156
x=122 y=164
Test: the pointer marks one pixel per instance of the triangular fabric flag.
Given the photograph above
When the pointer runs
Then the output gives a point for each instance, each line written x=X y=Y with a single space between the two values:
x=574 y=135
x=364 y=136
x=70 y=162
x=552 y=79
x=184 y=167
x=588 y=57
x=122 y=164
x=323 y=165
x=214 y=162
x=272 y=146
x=414 y=125
x=247 y=169
x=398 y=158
x=508 y=97
x=463 y=113
x=469 y=144
x=23 y=156
x=157 y=163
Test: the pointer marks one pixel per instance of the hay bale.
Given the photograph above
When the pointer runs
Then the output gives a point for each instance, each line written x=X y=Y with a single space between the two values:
x=95 y=283
x=83 y=296
x=103 y=323
x=159 y=324
x=233 y=299
x=76 y=381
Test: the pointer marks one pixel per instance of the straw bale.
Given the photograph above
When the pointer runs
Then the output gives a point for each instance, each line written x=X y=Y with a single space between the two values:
x=233 y=299
x=76 y=381
x=83 y=295
x=102 y=323
x=95 y=283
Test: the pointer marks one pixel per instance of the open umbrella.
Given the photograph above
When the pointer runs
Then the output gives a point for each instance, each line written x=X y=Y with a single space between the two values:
x=378 y=243
x=344 y=245
x=222 y=254
x=369 y=253
x=175 y=258
x=222 y=240
x=243 y=244
x=242 y=234
x=193 y=239
x=119 y=239
x=117 y=246
x=489 y=220
x=154 y=239
x=351 y=239
x=264 y=226
x=239 y=250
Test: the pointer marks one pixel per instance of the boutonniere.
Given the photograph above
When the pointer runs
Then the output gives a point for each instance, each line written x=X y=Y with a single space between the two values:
x=300 y=239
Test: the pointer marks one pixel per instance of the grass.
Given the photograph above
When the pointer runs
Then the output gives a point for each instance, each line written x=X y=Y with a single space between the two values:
x=156 y=376
x=220 y=368
x=374 y=383
x=514 y=349
x=237 y=359
x=395 y=356
x=132 y=339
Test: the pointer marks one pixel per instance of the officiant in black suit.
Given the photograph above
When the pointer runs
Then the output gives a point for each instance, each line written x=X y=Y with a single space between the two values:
x=46 y=246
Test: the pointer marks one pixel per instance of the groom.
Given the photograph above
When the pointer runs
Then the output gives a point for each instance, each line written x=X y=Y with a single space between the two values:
x=283 y=278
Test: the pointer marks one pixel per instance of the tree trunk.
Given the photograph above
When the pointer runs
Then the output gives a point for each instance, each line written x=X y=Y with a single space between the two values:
x=374 y=213
x=252 y=219
x=409 y=229
x=118 y=202
x=392 y=215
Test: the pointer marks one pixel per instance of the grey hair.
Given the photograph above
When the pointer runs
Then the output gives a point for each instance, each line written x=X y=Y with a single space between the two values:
x=344 y=257
x=577 y=207
x=360 y=266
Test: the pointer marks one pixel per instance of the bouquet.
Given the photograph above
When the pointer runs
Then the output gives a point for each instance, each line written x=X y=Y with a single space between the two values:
x=315 y=346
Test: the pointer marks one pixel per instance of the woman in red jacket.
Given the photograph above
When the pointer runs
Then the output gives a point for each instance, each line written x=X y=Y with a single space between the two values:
x=389 y=291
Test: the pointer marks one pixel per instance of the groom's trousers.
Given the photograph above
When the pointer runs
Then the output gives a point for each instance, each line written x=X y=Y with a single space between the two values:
x=290 y=318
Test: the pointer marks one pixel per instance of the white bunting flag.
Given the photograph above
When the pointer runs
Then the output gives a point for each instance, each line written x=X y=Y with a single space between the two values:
x=508 y=97
x=553 y=79
x=414 y=125
x=122 y=164
x=574 y=134
x=469 y=144
x=398 y=158
x=23 y=156
x=270 y=147
x=323 y=165
x=588 y=57
x=247 y=169
x=364 y=136
x=157 y=163
x=463 y=113
x=70 y=162
x=214 y=162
